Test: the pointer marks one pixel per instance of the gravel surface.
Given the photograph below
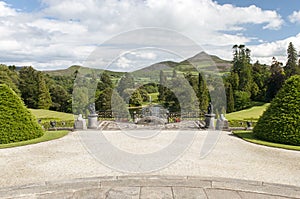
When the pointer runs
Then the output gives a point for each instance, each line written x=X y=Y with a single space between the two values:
x=67 y=158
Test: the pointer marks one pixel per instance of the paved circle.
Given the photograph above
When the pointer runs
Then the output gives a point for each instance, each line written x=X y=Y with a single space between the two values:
x=66 y=159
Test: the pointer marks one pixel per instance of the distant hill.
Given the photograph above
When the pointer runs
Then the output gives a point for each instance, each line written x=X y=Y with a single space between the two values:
x=205 y=61
x=202 y=61
x=63 y=72
x=72 y=69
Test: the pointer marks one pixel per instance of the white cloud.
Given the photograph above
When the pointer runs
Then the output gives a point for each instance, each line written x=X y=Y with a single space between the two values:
x=5 y=10
x=295 y=17
x=123 y=62
x=68 y=31
x=144 y=55
x=264 y=52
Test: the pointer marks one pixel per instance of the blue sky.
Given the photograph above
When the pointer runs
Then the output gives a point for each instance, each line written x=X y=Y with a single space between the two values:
x=284 y=8
x=51 y=34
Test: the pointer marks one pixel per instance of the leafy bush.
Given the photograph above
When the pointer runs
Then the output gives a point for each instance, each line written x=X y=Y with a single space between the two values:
x=281 y=121
x=17 y=122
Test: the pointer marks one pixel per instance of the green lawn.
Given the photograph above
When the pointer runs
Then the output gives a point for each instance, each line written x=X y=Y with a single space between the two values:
x=251 y=113
x=248 y=136
x=47 y=114
x=48 y=135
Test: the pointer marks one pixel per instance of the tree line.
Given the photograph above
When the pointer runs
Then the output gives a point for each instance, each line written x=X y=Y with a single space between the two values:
x=37 y=90
x=245 y=84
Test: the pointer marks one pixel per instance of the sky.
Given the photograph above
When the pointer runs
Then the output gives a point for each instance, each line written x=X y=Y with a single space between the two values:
x=55 y=34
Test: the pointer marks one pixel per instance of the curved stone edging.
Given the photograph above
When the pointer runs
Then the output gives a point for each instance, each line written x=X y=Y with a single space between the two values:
x=151 y=186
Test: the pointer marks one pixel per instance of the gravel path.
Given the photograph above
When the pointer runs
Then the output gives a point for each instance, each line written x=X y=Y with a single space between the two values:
x=67 y=158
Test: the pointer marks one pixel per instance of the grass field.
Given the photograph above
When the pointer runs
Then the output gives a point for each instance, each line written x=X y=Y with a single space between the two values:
x=48 y=135
x=248 y=114
x=47 y=114
x=248 y=136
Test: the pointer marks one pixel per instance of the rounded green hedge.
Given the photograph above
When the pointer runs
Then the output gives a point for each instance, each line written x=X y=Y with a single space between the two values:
x=280 y=123
x=16 y=122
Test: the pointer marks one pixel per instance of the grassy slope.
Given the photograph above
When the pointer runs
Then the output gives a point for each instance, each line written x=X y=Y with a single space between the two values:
x=42 y=114
x=48 y=135
x=251 y=113
x=248 y=136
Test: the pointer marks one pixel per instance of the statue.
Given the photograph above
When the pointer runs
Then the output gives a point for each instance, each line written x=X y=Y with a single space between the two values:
x=80 y=123
x=92 y=108
x=92 y=117
x=210 y=108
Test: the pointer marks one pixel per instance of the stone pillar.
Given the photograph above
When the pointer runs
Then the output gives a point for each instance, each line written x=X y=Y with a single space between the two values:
x=210 y=121
x=219 y=125
x=225 y=123
x=93 y=121
x=80 y=123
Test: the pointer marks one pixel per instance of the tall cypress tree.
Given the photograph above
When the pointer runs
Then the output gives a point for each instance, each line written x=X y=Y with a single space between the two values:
x=161 y=88
x=44 y=98
x=291 y=67
x=230 y=98
x=203 y=94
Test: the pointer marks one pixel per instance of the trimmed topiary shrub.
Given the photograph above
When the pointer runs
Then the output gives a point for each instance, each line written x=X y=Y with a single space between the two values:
x=16 y=122
x=281 y=121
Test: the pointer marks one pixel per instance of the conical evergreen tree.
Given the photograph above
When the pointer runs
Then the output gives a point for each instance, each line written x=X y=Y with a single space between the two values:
x=281 y=121
x=17 y=122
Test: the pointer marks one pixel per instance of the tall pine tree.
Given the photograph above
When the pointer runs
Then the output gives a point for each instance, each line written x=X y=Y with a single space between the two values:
x=43 y=98
x=203 y=94
x=291 y=68
x=230 y=98
x=162 y=86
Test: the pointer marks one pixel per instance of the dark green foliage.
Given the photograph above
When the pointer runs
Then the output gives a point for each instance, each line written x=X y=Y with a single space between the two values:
x=171 y=101
x=242 y=67
x=136 y=99
x=105 y=82
x=29 y=87
x=143 y=94
x=103 y=93
x=275 y=81
x=242 y=100
x=35 y=92
x=261 y=75
x=230 y=98
x=67 y=82
x=162 y=86
x=150 y=88
x=103 y=102
x=44 y=99
x=203 y=94
x=17 y=123
x=61 y=99
x=9 y=77
x=291 y=67
x=281 y=121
